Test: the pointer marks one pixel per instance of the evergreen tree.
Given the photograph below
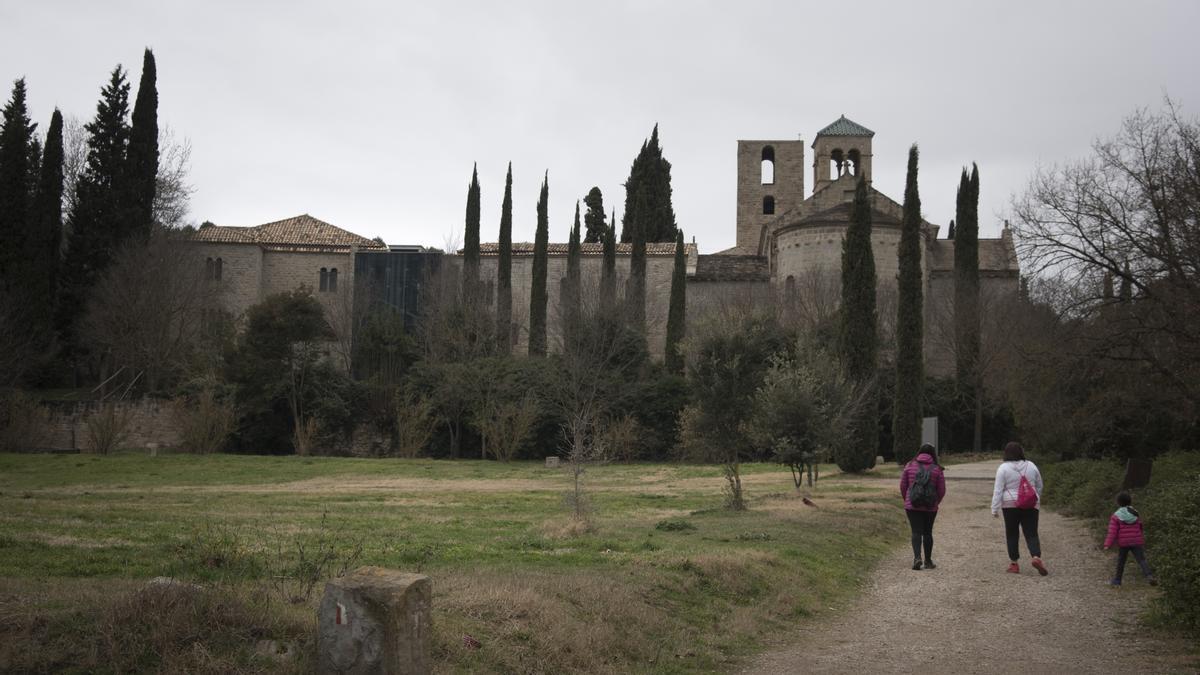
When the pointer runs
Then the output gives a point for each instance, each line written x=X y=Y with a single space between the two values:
x=966 y=280
x=16 y=148
x=649 y=184
x=910 y=367
x=470 y=280
x=573 y=286
x=1126 y=285
x=608 y=270
x=1108 y=293
x=537 y=294
x=141 y=169
x=950 y=234
x=677 y=311
x=966 y=299
x=46 y=225
x=635 y=290
x=504 y=271
x=95 y=226
x=593 y=220
x=858 y=330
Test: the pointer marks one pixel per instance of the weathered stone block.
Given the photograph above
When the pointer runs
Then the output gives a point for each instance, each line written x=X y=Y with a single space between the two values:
x=375 y=620
x=552 y=462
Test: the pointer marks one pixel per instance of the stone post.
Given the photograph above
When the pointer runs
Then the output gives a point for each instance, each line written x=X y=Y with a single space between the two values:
x=376 y=621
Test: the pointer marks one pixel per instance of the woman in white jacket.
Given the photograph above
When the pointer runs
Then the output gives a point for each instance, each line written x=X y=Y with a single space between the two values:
x=1018 y=517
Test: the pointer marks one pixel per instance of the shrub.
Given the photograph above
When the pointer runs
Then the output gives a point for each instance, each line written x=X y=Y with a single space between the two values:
x=23 y=423
x=205 y=421
x=1172 y=509
x=1082 y=487
x=108 y=427
x=415 y=420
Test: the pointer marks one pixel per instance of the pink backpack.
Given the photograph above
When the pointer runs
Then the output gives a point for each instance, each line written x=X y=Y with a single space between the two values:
x=1027 y=497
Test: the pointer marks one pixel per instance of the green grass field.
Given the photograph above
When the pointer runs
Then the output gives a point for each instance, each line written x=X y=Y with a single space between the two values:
x=664 y=581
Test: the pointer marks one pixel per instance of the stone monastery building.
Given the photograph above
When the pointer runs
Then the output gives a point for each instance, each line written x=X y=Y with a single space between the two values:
x=788 y=242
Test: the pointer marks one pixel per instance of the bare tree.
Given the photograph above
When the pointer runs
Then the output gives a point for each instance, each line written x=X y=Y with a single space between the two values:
x=145 y=312
x=1130 y=211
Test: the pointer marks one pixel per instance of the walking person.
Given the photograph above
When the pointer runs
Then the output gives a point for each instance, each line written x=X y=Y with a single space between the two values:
x=1018 y=493
x=923 y=486
x=1125 y=530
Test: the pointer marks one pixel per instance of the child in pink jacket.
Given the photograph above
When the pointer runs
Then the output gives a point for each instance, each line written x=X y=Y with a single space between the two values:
x=1125 y=530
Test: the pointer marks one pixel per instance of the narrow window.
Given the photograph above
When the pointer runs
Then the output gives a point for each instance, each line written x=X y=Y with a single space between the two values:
x=789 y=286
x=768 y=205
x=768 y=165
x=217 y=266
x=324 y=280
x=333 y=280
x=838 y=163
x=208 y=268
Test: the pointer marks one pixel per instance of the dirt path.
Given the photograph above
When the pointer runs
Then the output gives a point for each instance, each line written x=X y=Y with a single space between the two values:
x=970 y=616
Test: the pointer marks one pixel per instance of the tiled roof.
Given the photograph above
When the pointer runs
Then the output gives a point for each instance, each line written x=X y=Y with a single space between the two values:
x=841 y=214
x=732 y=268
x=845 y=127
x=302 y=233
x=525 y=248
x=995 y=256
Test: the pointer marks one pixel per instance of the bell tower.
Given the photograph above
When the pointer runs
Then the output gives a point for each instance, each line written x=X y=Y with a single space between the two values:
x=770 y=183
x=839 y=150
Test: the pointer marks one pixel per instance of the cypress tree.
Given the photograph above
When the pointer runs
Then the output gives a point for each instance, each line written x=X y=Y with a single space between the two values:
x=608 y=270
x=950 y=234
x=95 y=225
x=141 y=169
x=16 y=148
x=593 y=220
x=635 y=291
x=1107 y=290
x=966 y=280
x=859 y=330
x=537 y=294
x=677 y=311
x=46 y=222
x=649 y=184
x=574 y=277
x=910 y=368
x=470 y=280
x=504 y=271
x=1126 y=285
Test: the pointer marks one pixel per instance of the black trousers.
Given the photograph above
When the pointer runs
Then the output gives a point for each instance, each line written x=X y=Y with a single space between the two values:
x=921 y=523
x=1139 y=554
x=1017 y=521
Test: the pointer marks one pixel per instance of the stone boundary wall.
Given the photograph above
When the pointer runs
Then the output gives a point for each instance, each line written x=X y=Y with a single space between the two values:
x=151 y=422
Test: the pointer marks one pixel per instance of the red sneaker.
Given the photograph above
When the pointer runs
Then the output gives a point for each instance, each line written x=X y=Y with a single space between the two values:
x=1014 y=568
x=1040 y=567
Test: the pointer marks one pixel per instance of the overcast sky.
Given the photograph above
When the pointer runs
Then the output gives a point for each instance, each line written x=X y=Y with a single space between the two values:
x=370 y=118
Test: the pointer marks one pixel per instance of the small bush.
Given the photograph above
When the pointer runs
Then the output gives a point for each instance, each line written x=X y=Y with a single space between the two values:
x=674 y=525
x=1083 y=488
x=108 y=427
x=24 y=424
x=415 y=421
x=205 y=421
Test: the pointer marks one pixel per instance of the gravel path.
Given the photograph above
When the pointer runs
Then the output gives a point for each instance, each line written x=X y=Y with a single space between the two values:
x=970 y=616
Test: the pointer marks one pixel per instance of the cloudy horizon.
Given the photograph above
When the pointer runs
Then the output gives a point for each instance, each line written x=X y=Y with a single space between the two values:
x=371 y=119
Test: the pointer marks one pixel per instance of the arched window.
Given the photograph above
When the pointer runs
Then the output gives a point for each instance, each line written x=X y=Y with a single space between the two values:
x=324 y=280
x=852 y=159
x=208 y=268
x=768 y=205
x=333 y=280
x=768 y=165
x=218 y=264
x=789 y=286
x=837 y=164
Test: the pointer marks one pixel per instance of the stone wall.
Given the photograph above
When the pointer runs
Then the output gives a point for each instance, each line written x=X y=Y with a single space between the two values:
x=658 y=293
x=787 y=187
x=240 y=284
x=151 y=422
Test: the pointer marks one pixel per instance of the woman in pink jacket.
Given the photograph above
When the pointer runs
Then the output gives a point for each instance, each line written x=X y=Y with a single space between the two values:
x=1125 y=530
x=922 y=485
